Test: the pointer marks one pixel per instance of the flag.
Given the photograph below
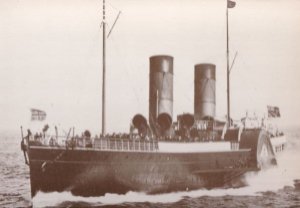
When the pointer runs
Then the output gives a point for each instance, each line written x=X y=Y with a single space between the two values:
x=230 y=4
x=273 y=112
x=37 y=115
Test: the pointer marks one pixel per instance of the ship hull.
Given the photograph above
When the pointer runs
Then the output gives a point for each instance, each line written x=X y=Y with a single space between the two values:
x=94 y=173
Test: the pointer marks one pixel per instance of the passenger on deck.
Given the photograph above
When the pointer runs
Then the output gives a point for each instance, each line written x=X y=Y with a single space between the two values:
x=81 y=142
x=45 y=129
x=53 y=141
x=72 y=143
x=36 y=137
x=87 y=138
x=77 y=140
x=29 y=134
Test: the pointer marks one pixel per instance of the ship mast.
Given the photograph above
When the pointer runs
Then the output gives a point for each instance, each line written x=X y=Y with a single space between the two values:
x=228 y=78
x=103 y=69
x=104 y=37
x=230 y=4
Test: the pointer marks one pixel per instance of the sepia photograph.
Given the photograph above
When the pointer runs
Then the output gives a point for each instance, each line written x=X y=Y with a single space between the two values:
x=149 y=103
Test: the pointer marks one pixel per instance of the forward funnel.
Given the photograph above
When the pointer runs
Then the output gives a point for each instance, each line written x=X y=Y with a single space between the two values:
x=161 y=92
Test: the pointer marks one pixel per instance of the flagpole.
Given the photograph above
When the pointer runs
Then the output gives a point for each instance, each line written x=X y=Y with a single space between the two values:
x=228 y=78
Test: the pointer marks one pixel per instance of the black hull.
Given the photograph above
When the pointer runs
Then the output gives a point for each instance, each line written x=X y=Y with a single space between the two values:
x=94 y=172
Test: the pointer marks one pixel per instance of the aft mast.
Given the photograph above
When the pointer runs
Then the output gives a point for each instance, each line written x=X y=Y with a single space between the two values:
x=230 y=4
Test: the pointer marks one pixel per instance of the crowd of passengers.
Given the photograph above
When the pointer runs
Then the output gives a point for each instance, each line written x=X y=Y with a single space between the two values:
x=86 y=140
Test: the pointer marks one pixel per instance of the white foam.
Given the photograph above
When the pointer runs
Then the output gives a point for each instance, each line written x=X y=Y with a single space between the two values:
x=55 y=198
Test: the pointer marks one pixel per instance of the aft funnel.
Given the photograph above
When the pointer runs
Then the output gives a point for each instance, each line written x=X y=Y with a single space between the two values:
x=205 y=91
x=161 y=92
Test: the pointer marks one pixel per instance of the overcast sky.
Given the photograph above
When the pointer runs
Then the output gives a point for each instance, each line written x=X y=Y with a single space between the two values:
x=50 y=57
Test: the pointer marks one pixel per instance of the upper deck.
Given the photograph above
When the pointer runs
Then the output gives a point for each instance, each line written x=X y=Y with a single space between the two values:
x=125 y=143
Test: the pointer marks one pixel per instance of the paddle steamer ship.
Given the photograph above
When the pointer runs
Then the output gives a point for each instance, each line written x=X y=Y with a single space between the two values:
x=158 y=154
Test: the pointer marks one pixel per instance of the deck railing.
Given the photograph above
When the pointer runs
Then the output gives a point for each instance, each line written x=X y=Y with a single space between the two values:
x=125 y=145
x=118 y=144
x=96 y=143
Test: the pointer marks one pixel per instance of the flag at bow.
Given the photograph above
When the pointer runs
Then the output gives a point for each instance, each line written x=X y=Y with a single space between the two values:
x=273 y=112
x=230 y=4
x=37 y=115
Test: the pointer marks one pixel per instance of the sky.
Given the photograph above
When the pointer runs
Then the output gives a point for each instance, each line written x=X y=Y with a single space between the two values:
x=50 y=58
